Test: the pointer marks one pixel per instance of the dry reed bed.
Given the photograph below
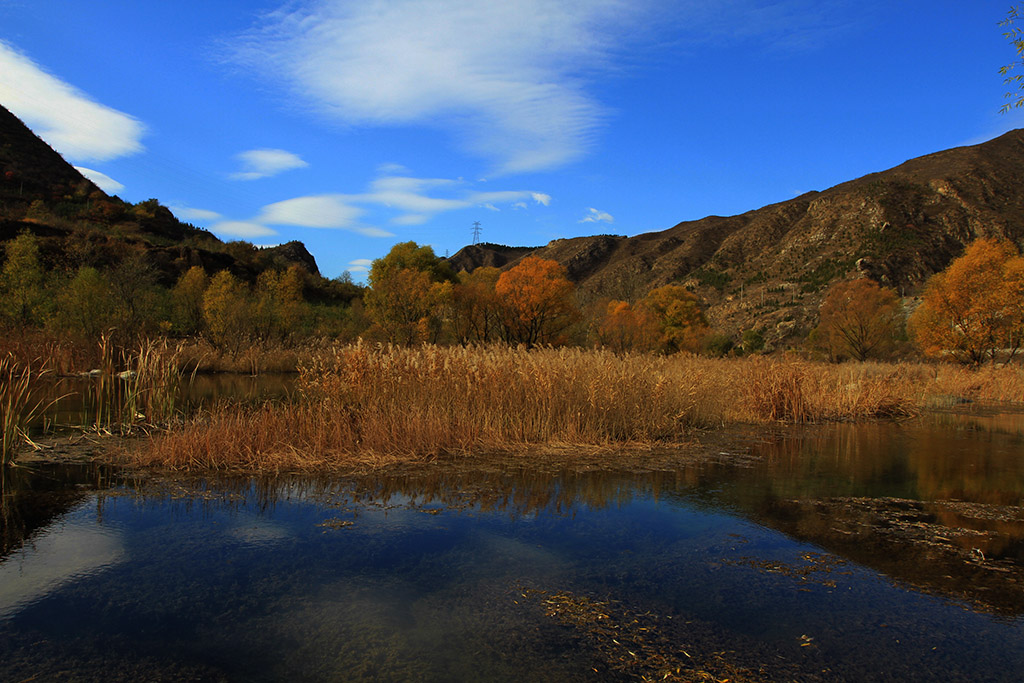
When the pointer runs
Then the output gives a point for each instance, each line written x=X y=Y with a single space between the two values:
x=364 y=404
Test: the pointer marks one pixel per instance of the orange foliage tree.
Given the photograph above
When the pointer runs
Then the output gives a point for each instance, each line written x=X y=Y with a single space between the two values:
x=859 y=320
x=624 y=327
x=680 y=321
x=537 y=302
x=972 y=311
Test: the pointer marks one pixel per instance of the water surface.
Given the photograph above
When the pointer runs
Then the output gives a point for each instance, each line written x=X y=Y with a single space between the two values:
x=844 y=552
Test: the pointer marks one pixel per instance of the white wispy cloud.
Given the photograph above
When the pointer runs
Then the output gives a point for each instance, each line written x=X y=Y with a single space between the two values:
x=595 y=216
x=242 y=229
x=71 y=122
x=189 y=213
x=102 y=180
x=509 y=79
x=410 y=194
x=316 y=211
x=373 y=232
x=411 y=201
x=263 y=163
x=359 y=265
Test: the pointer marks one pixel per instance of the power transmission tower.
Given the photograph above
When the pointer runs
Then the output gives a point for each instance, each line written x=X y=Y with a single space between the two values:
x=476 y=232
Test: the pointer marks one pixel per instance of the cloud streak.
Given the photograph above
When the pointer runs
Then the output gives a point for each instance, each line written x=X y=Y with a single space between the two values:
x=319 y=211
x=409 y=201
x=595 y=216
x=102 y=180
x=509 y=79
x=400 y=200
x=264 y=163
x=72 y=123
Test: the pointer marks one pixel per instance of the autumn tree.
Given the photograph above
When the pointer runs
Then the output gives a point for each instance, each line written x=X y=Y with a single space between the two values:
x=22 y=297
x=187 y=301
x=475 y=311
x=858 y=320
x=409 y=289
x=279 y=306
x=624 y=327
x=85 y=305
x=681 y=323
x=138 y=303
x=973 y=310
x=226 y=310
x=537 y=302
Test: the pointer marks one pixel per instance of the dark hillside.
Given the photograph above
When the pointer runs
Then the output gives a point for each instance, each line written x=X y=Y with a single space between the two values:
x=769 y=268
x=79 y=224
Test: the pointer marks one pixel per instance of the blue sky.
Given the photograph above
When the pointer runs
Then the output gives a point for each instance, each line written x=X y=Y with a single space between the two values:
x=353 y=125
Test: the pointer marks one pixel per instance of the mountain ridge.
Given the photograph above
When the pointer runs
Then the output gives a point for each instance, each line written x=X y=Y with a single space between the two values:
x=80 y=224
x=768 y=268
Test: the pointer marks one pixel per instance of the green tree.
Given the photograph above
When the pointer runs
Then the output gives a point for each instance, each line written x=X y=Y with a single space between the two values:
x=752 y=341
x=1015 y=81
x=22 y=295
x=476 y=314
x=279 y=307
x=138 y=303
x=85 y=305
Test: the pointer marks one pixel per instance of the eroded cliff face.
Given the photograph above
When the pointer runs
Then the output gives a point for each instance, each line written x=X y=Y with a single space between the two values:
x=770 y=268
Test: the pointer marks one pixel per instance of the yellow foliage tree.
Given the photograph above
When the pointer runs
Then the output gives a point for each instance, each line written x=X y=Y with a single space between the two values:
x=22 y=298
x=409 y=290
x=227 y=311
x=972 y=311
x=680 y=321
x=537 y=302
x=279 y=307
x=187 y=301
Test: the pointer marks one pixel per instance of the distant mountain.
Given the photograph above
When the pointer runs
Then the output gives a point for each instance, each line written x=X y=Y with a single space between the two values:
x=769 y=268
x=79 y=224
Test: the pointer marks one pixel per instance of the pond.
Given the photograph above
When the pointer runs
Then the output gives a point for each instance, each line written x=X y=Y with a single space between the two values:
x=873 y=552
x=74 y=400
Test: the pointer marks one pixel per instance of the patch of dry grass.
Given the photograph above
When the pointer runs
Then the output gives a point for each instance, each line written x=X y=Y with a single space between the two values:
x=371 y=404
x=199 y=355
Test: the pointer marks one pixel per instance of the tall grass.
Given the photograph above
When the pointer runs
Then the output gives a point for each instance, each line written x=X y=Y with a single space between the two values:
x=19 y=404
x=133 y=388
x=375 y=404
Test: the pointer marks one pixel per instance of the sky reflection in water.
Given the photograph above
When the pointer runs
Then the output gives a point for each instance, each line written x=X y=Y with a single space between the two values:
x=795 y=561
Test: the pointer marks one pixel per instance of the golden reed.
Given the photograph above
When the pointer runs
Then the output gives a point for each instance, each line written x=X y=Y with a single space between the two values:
x=372 y=404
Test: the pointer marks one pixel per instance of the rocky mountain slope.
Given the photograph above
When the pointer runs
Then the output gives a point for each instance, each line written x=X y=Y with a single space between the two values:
x=769 y=268
x=79 y=224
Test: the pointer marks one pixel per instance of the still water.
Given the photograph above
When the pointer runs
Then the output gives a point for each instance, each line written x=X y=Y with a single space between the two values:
x=877 y=552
